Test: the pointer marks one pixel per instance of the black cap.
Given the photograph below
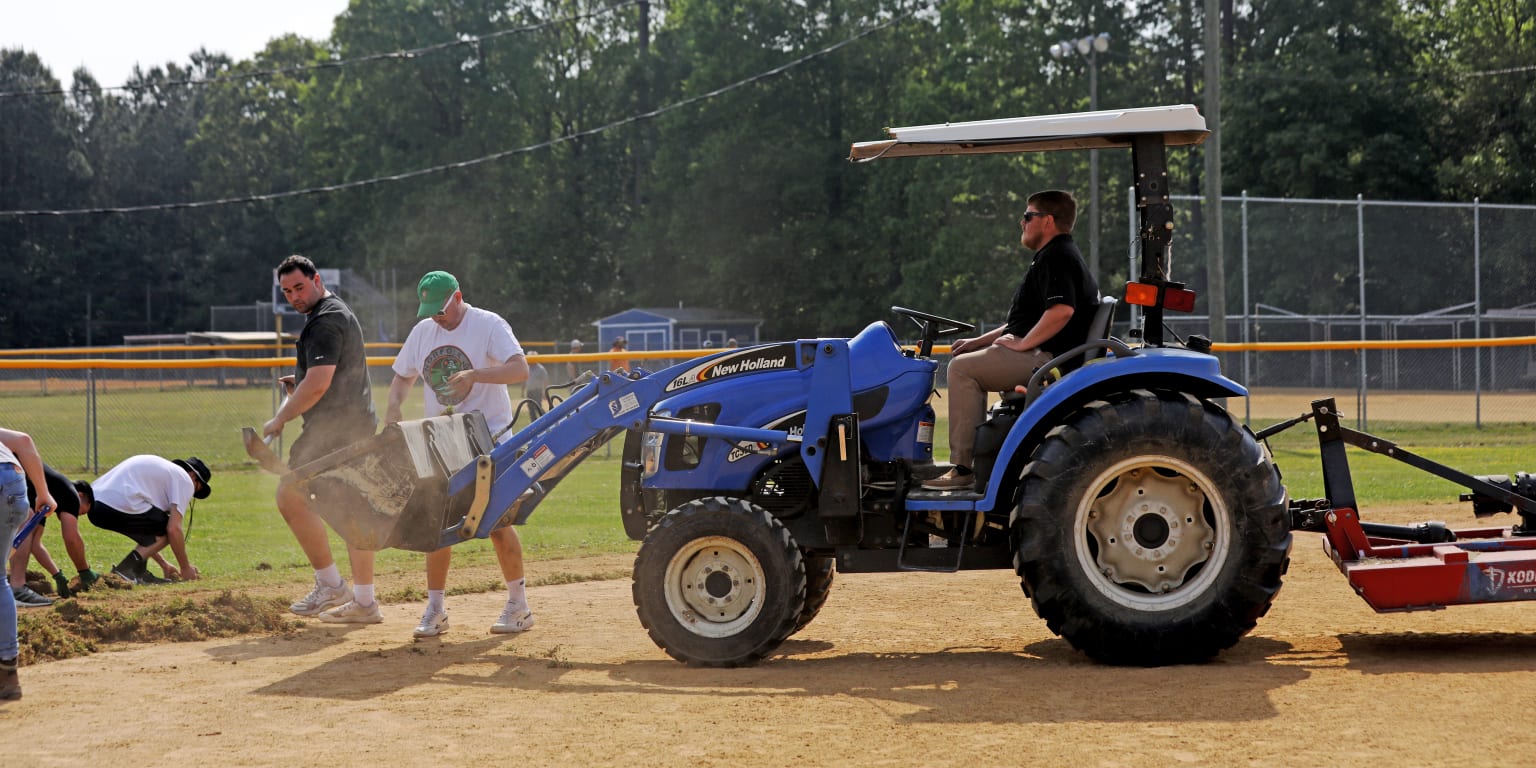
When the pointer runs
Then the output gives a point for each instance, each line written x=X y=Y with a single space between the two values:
x=196 y=466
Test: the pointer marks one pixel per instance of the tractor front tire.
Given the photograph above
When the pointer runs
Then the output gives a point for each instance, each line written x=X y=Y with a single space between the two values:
x=819 y=572
x=719 y=582
x=1151 y=530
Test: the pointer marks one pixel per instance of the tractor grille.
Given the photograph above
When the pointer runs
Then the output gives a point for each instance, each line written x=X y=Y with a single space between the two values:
x=784 y=489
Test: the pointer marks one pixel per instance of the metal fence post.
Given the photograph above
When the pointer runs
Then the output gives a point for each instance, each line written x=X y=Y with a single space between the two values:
x=1247 y=322
x=92 y=438
x=1477 y=307
x=1360 y=240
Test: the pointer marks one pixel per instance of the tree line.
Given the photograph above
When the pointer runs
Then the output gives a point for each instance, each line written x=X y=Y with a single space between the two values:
x=742 y=200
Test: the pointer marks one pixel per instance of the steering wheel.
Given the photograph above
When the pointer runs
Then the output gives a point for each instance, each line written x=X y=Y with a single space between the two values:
x=933 y=327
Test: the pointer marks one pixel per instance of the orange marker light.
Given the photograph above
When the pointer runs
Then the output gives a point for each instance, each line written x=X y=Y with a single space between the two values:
x=1145 y=295
x=1141 y=294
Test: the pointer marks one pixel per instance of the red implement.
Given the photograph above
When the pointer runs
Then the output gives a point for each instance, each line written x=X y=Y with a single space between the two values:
x=1483 y=565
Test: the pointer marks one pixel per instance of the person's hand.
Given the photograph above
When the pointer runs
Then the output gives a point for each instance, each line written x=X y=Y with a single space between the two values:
x=460 y=383
x=961 y=346
x=1010 y=341
x=287 y=382
x=392 y=415
x=271 y=429
x=44 y=500
x=171 y=572
x=190 y=574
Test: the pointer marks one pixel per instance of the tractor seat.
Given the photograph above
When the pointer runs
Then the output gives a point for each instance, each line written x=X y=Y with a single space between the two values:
x=1098 y=330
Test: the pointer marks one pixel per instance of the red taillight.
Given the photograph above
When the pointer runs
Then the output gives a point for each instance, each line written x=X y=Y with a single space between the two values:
x=1179 y=299
x=1144 y=294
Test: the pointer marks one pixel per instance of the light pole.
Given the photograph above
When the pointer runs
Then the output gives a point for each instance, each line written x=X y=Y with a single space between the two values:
x=1089 y=46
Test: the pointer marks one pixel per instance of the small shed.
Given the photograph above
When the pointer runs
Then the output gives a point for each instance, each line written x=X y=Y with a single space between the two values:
x=677 y=328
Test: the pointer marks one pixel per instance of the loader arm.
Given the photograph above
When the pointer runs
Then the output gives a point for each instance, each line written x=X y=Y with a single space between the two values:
x=505 y=486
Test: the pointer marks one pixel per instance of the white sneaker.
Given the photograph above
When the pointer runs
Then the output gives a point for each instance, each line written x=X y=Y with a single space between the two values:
x=352 y=613
x=321 y=598
x=432 y=624
x=512 y=622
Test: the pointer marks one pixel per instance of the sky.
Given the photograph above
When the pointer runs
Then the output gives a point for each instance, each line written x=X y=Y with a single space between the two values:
x=109 y=36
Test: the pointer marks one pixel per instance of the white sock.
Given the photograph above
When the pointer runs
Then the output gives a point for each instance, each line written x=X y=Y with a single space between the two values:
x=329 y=576
x=517 y=596
x=362 y=594
x=436 y=600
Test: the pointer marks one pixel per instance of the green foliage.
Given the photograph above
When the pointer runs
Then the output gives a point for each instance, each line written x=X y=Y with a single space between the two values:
x=743 y=200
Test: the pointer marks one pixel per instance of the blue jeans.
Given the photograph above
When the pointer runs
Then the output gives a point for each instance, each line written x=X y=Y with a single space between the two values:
x=13 y=514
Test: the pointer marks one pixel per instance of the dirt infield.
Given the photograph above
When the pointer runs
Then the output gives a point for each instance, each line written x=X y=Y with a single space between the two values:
x=1276 y=404
x=898 y=669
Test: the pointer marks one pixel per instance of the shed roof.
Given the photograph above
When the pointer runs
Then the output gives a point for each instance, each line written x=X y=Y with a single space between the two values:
x=682 y=315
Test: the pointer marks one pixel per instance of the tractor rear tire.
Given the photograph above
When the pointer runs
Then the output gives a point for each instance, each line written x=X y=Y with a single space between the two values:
x=1151 y=529
x=819 y=572
x=719 y=582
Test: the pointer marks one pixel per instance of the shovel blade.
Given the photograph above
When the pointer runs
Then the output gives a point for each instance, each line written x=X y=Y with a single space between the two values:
x=261 y=452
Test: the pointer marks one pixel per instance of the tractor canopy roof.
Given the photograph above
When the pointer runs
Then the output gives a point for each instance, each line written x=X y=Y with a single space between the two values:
x=1180 y=125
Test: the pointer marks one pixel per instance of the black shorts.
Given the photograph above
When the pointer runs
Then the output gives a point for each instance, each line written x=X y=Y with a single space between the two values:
x=144 y=529
x=316 y=443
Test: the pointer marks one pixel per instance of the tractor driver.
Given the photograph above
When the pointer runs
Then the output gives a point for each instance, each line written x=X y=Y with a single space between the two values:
x=1051 y=312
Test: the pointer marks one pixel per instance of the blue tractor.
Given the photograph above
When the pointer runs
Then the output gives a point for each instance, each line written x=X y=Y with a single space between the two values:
x=1145 y=523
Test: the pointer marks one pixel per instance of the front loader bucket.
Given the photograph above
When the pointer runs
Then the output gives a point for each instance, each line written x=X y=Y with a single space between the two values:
x=391 y=490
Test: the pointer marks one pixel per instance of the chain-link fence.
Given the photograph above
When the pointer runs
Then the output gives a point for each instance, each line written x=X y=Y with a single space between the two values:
x=1302 y=270
x=90 y=418
x=90 y=408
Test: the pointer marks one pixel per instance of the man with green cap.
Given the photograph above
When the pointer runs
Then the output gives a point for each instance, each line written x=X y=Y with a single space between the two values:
x=466 y=356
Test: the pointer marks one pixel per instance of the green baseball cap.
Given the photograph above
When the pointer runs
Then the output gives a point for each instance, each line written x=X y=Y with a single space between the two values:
x=434 y=290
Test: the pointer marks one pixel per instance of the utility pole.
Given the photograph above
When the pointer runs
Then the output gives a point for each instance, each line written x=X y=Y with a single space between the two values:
x=642 y=132
x=1215 y=270
x=1089 y=47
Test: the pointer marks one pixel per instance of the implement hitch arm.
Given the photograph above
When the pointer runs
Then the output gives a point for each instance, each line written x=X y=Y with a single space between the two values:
x=1338 y=484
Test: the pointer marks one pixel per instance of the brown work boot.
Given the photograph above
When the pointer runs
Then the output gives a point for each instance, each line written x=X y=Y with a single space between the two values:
x=953 y=480
x=10 y=684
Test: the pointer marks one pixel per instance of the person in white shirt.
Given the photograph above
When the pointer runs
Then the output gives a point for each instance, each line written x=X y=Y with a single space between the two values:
x=148 y=499
x=466 y=356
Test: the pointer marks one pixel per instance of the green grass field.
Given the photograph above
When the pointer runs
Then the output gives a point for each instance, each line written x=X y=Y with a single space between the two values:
x=238 y=538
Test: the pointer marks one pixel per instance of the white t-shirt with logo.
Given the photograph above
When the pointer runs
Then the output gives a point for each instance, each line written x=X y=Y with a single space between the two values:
x=142 y=482
x=481 y=340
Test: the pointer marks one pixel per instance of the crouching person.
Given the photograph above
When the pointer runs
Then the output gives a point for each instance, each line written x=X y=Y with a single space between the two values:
x=147 y=499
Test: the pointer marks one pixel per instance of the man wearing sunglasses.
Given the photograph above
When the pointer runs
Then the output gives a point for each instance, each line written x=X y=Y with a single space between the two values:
x=466 y=356
x=1051 y=311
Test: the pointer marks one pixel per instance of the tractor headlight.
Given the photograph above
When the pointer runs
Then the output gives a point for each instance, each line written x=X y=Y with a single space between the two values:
x=650 y=452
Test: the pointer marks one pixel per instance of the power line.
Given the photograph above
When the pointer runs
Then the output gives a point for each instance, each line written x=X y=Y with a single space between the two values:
x=436 y=169
x=1496 y=72
x=338 y=63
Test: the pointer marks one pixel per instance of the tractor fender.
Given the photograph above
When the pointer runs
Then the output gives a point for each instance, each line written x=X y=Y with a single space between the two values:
x=1161 y=368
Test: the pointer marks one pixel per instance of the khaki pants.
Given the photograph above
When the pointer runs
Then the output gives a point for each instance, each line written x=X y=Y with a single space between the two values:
x=971 y=376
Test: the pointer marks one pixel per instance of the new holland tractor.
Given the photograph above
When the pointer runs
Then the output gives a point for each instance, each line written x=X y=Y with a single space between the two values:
x=1146 y=525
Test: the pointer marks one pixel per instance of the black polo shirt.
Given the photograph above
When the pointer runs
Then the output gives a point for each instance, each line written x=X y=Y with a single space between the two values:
x=1058 y=275
x=61 y=488
x=332 y=336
